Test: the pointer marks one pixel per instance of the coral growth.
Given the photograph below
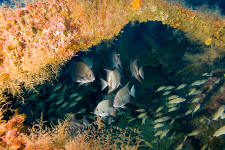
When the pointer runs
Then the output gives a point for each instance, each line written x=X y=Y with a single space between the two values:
x=10 y=133
x=36 y=40
x=97 y=136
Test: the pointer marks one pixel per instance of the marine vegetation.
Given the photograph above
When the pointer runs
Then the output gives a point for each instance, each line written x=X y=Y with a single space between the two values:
x=14 y=135
x=73 y=76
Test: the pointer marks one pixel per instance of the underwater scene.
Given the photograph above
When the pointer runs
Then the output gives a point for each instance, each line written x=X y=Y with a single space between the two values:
x=154 y=84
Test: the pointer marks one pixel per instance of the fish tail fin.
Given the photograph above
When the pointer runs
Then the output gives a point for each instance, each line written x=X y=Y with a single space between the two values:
x=132 y=91
x=103 y=83
x=192 y=115
x=131 y=68
x=209 y=121
x=141 y=72
x=114 y=112
x=139 y=79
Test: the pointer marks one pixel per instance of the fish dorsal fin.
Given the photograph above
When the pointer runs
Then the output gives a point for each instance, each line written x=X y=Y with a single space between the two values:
x=132 y=91
x=141 y=73
x=108 y=74
x=103 y=83
x=88 y=61
x=135 y=65
x=132 y=68
x=135 y=61
x=108 y=71
x=127 y=85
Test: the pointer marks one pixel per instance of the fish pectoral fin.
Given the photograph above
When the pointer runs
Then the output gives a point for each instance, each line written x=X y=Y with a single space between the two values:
x=103 y=83
x=141 y=72
x=124 y=107
x=80 y=83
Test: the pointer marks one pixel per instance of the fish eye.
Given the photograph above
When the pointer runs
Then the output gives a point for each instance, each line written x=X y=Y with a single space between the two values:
x=103 y=111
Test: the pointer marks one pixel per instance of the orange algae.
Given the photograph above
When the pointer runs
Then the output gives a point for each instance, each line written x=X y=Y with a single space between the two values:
x=136 y=4
x=40 y=137
x=208 y=41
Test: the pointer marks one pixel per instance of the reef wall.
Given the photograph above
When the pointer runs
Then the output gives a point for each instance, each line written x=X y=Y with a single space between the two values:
x=37 y=40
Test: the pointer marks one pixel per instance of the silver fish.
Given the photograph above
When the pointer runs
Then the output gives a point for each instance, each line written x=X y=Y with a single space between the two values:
x=160 y=88
x=179 y=147
x=158 y=125
x=188 y=111
x=169 y=88
x=159 y=109
x=135 y=71
x=142 y=115
x=73 y=95
x=113 y=80
x=141 y=110
x=177 y=100
x=205 y=74
x=59 y=86
x=162 y=119
x=81 y=73
x=217 y=81
x=104 y=109
x=166 y=93
x=172 y=109
x=116 y=61
x=193 y=91
x=197 y=107
x=196 y=100
x=64 y=105
x=172 y=97
x=164 y=133
x=59 y=101
x=181 y=86
x=85 y=121
x=130 y=120
x=75 y=123
x=159 y=114
x=194 y=133
x=143 y=120
x=219 y=113
x=219 y=132
x=123 y=96
x=204 y=146
x=198 y=82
